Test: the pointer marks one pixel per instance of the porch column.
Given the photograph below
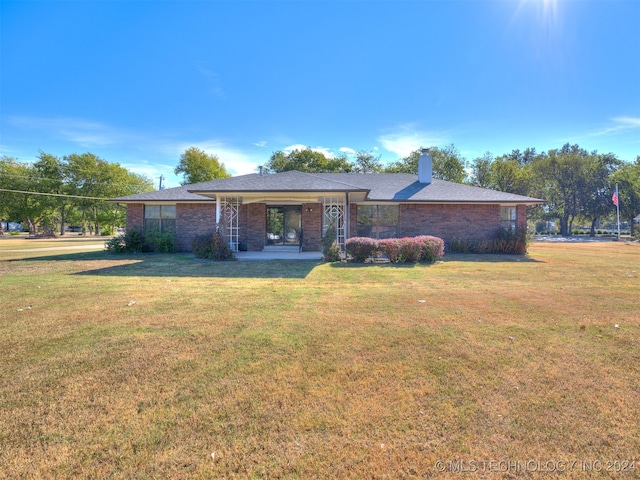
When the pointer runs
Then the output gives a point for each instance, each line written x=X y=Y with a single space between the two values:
x=347 y=217
x=218 y=209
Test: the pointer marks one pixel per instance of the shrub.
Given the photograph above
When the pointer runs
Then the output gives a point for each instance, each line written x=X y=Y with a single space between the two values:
x=513 y=241
x=115 y=245
x=333 y=253
x=463 y=245
x=133 y=241
x=432 y=248
x=390 y=247
x=330 y=248
x=361 y=248
x=160 y=242
x=214 y=247
x=424 y=248
x=137 y=241
x=410 y=249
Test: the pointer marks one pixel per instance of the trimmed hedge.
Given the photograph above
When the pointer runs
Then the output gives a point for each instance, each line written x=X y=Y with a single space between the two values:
x=424 y=248
x=361 y=248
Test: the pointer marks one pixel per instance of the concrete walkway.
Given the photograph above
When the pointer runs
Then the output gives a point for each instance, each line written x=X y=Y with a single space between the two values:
x=275 y=255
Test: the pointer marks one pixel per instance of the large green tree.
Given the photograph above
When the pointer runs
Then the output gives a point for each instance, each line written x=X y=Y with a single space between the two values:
x=19 y=204
x=307 y=160
x=510 y=175
x=561 y=179
x=596 y=199
x=51 y=178
x=50 y=193
x=408 y=164
x=196 y=165
x=96 y=179
x=628 y=179
x=448 y=164
x=481 y=173
x=367 y=162
x=17 y=177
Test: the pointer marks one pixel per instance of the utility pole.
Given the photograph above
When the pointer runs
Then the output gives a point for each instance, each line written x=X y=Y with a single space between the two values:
x=161 y=179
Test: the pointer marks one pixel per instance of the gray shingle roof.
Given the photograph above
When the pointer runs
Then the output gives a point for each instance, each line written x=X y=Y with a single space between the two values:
x=177 y=194
x=399 y=187
x=291 y=181
x=405 y=187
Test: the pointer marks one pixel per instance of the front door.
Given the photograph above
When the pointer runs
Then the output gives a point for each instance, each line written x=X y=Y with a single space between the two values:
x=284 y=224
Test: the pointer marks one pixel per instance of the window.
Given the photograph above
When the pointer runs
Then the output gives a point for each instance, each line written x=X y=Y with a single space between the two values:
x=377 y=221
x=161 y=218
x=508 y=218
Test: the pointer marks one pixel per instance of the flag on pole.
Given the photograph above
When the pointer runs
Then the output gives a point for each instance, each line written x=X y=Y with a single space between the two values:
x=614 y=199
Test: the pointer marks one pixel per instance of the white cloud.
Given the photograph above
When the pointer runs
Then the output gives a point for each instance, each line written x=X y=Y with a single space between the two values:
x=295 y=146
x=627 y=122
x=213 y=81
x=261 y=144
x=143 y=153
x=620 y=125
x=347 y=150
x=85 y=133
x=407 y=139
x=617 y=126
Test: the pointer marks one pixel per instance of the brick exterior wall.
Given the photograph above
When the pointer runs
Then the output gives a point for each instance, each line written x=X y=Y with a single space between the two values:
x=312 y=226
x=255 y=233
x=521 y=216
x=474 y=222
x=135 y=216
x=193 y=219
x=353 y=221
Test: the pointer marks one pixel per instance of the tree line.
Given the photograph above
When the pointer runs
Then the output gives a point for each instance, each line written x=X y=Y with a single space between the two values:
x=577 y=185
x=55 y=192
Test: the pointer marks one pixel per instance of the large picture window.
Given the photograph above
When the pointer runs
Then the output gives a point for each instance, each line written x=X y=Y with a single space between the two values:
x=160 y=218
x=377 y=221
x=508 y=218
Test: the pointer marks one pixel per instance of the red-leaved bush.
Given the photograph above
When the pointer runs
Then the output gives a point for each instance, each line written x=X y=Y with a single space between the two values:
x=390 y=247
x=432 y=248
x=361 y=248
x=424 y=248
x=410 y=249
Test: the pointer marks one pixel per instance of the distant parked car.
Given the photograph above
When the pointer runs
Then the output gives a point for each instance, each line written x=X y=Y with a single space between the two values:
x=12 y=227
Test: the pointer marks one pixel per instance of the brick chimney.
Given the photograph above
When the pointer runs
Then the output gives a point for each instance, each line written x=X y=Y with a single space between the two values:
x=425 y=166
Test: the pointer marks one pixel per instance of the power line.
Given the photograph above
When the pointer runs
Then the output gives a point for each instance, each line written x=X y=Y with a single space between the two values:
x=53 y=194
x=67 y=181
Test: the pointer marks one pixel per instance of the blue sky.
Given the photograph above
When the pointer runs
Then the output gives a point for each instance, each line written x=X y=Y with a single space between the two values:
x=139 y=82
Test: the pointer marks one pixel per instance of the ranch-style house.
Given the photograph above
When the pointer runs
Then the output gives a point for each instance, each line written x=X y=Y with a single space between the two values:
x=296 y=209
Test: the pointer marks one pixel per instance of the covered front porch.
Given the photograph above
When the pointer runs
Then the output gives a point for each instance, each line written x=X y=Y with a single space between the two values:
x=281 y=225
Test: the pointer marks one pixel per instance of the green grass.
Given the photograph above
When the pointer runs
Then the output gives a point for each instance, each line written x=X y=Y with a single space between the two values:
x=309 y=370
